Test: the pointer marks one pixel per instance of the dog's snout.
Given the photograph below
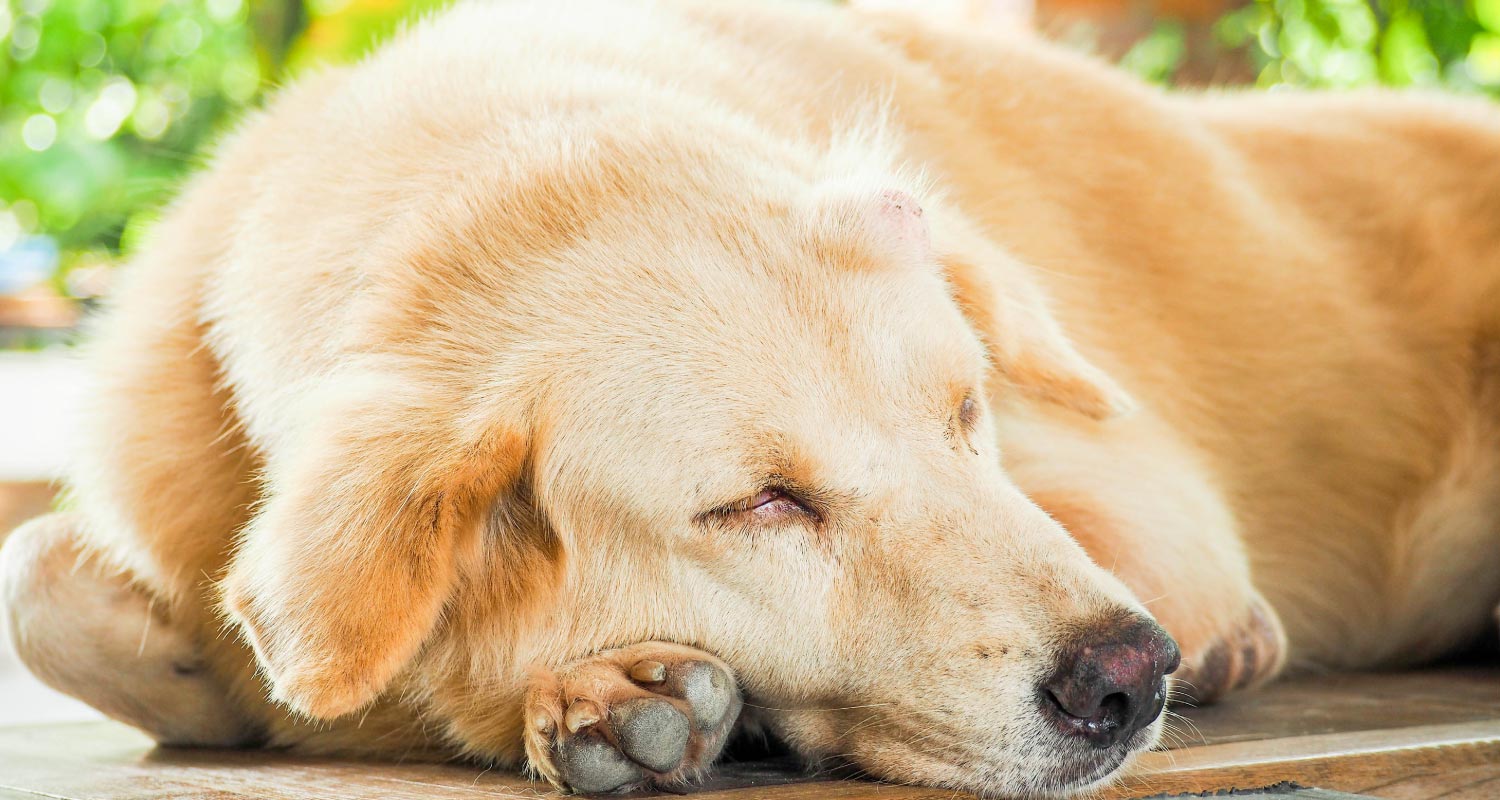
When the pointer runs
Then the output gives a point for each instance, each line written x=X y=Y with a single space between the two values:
x=1111 y=681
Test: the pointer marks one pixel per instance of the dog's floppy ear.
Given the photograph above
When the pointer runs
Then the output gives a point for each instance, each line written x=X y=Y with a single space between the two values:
x=371 y=516
x=1028 y=346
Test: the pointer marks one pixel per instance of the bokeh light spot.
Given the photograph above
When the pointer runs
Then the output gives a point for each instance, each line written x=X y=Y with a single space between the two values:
x=39 y=132
x=110 y=110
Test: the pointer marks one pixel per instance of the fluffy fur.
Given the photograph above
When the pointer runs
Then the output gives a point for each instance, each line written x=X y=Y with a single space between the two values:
x=446 y=373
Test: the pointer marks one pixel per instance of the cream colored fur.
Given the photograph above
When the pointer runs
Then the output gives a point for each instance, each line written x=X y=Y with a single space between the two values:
x=436 y=378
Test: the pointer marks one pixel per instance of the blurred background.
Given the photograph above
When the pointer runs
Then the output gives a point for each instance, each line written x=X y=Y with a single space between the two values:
x=106 y=104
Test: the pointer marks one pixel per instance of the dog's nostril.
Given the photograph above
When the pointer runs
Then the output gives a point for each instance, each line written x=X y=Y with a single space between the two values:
x=1056 y=703
x=1114 y=709
x=1102 y=723
x=1109 y=708
x=1111 y=683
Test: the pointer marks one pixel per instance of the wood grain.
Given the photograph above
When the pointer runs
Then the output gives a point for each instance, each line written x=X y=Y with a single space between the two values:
x=1410 y=736
x=1359 y=761
x=1336 y=703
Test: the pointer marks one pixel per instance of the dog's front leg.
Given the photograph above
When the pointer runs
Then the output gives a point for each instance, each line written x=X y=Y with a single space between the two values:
x=650 y=714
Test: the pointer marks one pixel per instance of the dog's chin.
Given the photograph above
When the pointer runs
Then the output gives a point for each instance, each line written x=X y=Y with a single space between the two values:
x=1069 y=770
x=1081 y=775
x=1080 y=768
x=1043 y=765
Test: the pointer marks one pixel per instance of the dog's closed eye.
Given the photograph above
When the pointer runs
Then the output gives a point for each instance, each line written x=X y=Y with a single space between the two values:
x=771 y=505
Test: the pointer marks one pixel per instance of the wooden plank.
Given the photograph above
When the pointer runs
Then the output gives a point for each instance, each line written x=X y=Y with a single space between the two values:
x=1472 y=783
x=1414 y=736
x=107 y=760
x=1358 y=761
x=1336 y=703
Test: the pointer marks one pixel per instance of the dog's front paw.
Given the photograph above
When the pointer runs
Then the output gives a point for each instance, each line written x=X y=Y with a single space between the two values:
x=1251 y=653
x=651 y=714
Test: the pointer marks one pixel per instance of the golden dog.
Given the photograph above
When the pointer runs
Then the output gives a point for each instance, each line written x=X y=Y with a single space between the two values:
x=551 y=381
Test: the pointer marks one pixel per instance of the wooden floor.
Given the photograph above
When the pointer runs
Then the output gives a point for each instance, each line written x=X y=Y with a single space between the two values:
x=1409 y=736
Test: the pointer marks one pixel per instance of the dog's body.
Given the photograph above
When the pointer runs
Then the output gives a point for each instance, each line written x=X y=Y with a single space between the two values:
x=1242 y=347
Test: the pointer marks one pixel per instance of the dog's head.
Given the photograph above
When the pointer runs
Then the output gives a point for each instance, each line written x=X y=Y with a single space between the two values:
x=695 y=387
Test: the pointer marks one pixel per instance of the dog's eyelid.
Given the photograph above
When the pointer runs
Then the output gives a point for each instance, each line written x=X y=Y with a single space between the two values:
x=774 y=501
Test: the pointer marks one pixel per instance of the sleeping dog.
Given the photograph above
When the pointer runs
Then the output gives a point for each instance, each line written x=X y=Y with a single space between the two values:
x=572 y=386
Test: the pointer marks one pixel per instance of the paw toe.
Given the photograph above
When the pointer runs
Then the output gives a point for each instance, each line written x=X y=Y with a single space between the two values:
x=589 y=764
x=651 y=732
x=708 y=690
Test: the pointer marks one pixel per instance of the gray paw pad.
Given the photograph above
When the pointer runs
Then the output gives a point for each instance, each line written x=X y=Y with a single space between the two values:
x=591 y=765
x=707 y=689
x=651 y=732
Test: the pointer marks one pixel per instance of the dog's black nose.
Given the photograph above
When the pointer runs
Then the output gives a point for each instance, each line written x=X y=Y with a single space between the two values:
x=1111 y=681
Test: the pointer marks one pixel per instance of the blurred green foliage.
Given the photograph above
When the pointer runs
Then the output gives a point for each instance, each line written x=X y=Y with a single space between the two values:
x=1453 y=44
x=1340 y=43
x=105 y=104
x=101 y=105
